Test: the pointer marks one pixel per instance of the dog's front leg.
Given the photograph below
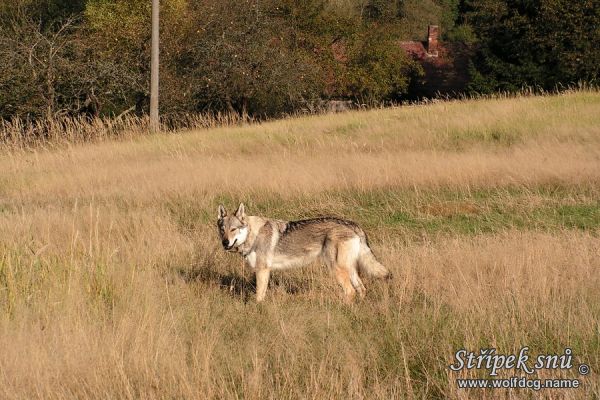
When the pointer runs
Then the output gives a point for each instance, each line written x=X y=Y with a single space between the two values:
x=262 y=282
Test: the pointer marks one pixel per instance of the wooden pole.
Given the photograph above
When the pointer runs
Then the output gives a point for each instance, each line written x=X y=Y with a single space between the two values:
x=154 y=67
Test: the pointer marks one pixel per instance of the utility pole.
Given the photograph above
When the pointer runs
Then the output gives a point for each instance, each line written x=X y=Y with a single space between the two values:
x=154 y=117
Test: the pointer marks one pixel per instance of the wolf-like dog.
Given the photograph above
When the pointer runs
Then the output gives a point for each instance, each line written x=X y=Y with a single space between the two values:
x=269 y=244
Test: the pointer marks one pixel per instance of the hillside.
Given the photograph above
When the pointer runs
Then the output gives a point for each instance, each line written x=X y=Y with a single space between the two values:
x=113 y=283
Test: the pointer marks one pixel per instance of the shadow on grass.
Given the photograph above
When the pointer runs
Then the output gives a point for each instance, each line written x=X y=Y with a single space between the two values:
x=239 y=286
x=234 y=284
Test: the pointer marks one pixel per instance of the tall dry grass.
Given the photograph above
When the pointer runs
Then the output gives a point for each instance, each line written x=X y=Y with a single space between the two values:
x=19 y=133
x=113 y=284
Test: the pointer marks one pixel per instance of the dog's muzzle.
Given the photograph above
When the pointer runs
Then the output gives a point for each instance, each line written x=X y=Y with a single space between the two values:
x=226 y=245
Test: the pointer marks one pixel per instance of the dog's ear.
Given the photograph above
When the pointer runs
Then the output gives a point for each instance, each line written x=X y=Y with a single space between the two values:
x=222 y=212
x=241 y=212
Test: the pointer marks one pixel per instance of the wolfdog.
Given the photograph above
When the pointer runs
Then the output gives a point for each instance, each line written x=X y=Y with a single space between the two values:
x=269 y=244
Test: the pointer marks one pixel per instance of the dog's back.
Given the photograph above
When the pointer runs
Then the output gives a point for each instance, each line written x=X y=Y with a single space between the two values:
x=341 y=244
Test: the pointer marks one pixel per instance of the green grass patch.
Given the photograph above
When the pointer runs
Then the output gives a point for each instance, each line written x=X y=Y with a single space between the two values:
x=414 y=213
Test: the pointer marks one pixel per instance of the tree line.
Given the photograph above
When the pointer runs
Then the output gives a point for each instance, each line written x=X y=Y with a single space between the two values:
x=269 y=57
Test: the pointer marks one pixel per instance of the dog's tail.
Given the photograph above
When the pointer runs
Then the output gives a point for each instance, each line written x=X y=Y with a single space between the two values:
x=368 y=263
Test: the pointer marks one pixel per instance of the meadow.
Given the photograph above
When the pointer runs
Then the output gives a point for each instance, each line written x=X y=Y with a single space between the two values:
x=113 y=284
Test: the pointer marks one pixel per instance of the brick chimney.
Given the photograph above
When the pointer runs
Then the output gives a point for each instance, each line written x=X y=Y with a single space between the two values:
x=433 y=34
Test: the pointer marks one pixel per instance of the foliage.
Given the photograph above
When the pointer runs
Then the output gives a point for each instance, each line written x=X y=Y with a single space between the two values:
x=534 y=43
x=378 y=69
x=266 y=58
x=262 y=57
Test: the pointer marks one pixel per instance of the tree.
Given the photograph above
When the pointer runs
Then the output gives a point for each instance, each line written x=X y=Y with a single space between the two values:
x=543 y=43
x=51 y=69
x=377 y=69
x=245 y=56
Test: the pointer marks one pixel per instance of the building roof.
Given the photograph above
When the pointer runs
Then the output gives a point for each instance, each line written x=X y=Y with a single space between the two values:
x=414 y=49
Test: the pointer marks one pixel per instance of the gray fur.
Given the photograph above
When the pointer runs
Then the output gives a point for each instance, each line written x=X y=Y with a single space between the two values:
x=268 y=244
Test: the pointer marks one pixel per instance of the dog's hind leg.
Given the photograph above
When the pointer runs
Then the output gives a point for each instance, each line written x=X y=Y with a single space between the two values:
x=343 y=277
x=346 y=268
x=357 y=282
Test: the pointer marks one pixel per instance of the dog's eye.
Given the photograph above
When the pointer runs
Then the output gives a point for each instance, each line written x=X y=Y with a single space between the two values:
x=233 y=230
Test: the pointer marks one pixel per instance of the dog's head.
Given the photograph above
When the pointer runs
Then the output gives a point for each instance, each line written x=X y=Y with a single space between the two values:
x=233 y=229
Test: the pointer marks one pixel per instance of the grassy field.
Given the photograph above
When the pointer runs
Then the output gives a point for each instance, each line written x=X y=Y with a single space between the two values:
x=113 y=284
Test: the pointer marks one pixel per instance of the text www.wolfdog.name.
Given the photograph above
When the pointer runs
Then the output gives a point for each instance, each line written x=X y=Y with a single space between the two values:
x=518 y=383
